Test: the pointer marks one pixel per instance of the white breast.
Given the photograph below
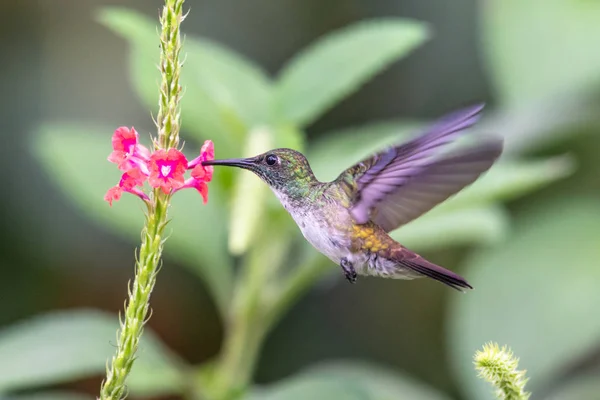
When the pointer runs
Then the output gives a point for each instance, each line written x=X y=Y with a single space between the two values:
x=317 y=231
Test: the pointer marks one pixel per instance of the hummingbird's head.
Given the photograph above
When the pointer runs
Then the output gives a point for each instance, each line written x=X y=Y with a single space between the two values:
x=286 y=171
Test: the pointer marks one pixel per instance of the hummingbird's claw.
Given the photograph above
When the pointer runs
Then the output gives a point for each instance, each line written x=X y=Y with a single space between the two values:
x=351 y=277
x=349 y=270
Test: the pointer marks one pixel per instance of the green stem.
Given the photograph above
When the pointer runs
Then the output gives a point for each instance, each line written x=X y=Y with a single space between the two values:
x=259 y=302
x=149 y=257
x=240 y=352
x=244 y=335
x=247 y=323
x=300 y=281
x=261 y=298
x=136 y=312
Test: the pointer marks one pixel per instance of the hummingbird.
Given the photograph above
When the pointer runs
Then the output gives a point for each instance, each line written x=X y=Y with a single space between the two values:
x=349 y=218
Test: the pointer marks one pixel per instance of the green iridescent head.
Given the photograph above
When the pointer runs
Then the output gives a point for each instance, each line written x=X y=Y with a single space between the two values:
x=285 y=170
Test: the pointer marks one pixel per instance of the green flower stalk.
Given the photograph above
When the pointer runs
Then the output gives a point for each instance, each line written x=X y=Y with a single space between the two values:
x=164 y=170
x=498 y=366
x=169 y=113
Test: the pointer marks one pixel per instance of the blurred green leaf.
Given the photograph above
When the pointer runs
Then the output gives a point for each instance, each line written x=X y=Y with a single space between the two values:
x=582 y=387
x=249 y=198
x=338 y=64
x=535 y=293
x=289 y=136
x=510 y=179
x=380 y=383
x=313 y=388
x=54 y=395
x=63 y=346
x=351 y=380
x=225 y=94
x=542 y=57
x=540 y=124
x=333 y=152
x=74 y=157
x=473 y=225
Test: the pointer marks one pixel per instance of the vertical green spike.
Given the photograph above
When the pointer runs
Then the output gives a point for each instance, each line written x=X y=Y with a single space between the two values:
x=249 y=197
x=498 y=366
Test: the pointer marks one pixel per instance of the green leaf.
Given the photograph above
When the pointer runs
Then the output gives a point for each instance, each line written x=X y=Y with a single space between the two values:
x=315 y=389
x=249 y=198
x=54 y=395
x=334 y=152
x=225 y=94
x=289 y=136
x=540 y=124
x=351 y=380
x=74 y=157
x=535 y=293
x=338 y=64
x=583 y=387
x=380 y=383
x=542 y=57
x=510 y=179
x=63 y=346
x=473 y=225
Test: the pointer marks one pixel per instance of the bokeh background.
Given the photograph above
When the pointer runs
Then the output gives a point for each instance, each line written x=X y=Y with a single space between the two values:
x=535 y=63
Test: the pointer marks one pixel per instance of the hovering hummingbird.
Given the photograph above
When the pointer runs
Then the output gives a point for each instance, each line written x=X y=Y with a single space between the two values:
x=348 y=219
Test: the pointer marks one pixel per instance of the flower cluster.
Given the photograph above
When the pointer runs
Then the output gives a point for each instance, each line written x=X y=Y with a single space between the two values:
x=162 y=169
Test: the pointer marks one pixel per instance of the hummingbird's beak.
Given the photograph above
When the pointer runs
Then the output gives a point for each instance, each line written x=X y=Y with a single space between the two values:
x=246 y=163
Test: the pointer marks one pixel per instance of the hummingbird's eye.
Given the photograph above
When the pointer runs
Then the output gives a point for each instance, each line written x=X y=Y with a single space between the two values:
x=271 y=159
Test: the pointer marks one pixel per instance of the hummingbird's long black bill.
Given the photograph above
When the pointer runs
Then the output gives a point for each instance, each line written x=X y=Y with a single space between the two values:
x=245 y=163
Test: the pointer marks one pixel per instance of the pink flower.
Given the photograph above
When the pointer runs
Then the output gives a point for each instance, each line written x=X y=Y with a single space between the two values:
x=127 y=151
x=201 y=174
x=129 y=180
x=163 y=169
x=115 y=192
x=207 y=152
x=167 y=169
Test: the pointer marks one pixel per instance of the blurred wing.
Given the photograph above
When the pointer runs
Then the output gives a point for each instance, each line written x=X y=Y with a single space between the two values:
x=378 y=184
x=434 y=184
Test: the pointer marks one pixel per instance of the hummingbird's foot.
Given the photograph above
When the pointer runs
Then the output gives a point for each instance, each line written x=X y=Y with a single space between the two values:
x=349 y=270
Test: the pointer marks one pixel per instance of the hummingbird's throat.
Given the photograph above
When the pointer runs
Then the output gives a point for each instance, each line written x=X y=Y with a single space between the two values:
x=293 y=196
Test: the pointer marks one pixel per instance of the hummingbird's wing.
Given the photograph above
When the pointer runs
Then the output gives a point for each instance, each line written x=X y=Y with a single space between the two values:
x=397 y=185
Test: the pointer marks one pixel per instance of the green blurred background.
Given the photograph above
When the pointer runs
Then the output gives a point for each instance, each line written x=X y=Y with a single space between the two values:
x=535 y=63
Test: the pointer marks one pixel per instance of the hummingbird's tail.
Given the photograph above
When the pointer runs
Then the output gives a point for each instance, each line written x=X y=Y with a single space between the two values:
x=414 y=262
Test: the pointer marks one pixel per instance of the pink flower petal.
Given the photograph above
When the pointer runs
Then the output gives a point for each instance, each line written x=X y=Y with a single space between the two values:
x=132 y=178
x=199 y=185
x=142 y=152
x=117 y=157
x=113 y=194
x=125 y=139
x=199 y=171
x=208 y=150
x=139 y=193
